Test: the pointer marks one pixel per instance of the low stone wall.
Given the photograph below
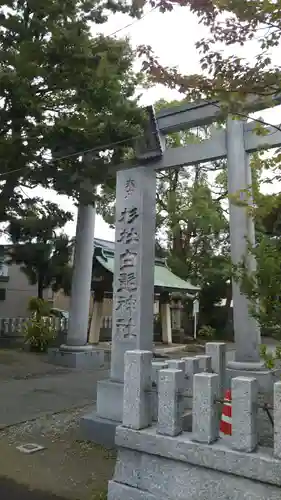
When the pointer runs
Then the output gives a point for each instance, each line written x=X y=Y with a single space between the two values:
x=158 y=460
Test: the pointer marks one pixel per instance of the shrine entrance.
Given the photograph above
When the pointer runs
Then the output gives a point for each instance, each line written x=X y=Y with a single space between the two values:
x=133 y=287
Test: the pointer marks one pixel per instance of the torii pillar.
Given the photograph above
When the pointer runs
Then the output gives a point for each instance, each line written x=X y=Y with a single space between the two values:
x=242 y=232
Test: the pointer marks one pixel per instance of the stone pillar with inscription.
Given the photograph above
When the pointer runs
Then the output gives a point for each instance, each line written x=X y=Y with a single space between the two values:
x=133 y=294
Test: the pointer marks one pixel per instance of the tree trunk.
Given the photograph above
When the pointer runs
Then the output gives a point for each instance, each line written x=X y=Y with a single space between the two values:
x=40 y=286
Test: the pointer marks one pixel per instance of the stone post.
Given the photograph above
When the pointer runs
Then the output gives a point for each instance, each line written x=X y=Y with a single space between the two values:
x=177 y=364
x=137 y=390
x=170 y=402
x=177 y=308
x=176 y=314
x=191 y=368
x=277 y=420
x=133 y=295
x=246 y=330
x=205 y=417
x=244 y=414
x=156 y=367
x=205 y=363
x=217 y=351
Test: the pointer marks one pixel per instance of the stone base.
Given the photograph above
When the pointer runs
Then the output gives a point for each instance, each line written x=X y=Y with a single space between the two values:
x=90 y=358
x=99 y=426
x=102 y=431
x=266 y=378
x=110 y=400
x=178 y=336
x=98 y=430
x=155 y=467
x=140 y=476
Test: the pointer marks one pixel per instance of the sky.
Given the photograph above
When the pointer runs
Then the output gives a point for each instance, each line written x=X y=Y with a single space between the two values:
x=172 y=37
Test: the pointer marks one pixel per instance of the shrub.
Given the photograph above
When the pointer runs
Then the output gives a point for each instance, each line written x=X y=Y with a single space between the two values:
x=207 y=332
x=39 y=307
x=39 y=333
x=270 y=358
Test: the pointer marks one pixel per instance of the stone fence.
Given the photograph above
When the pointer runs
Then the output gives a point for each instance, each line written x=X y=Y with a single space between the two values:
x=159 y=460
x=13 y=327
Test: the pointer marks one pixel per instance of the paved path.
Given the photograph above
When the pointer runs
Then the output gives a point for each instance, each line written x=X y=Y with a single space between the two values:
x=34 y=388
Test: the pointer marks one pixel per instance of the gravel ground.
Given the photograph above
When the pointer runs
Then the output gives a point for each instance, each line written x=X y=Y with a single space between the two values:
x=67 y=467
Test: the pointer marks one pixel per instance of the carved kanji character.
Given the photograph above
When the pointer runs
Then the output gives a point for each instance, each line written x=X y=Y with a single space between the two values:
x=126 y=327
x=127 y=259
x=128 y=215
x=127 y=282
x=128 y=236
x=126 y=303
x=130 y=187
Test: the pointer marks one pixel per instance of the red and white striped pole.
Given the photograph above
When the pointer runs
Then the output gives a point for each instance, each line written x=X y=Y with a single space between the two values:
x=226 y=417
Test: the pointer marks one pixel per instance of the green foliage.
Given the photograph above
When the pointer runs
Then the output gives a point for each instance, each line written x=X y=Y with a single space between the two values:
x=62 y=91
x=39 y=333
x=269 y=215
x=207 y=332
x=263 y=286
x=38 y=307
x=43 y=253
x=226 y=72
x=270 y=358
x=38 y=330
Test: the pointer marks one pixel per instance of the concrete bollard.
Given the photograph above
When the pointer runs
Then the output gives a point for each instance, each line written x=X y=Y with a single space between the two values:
x=205 y=416
x=205 y=363
x=176 y=364
x=217 y=351
x=170 y=402
x=191 y=368
x=156 y=367
x=137 y=411
x=277 y=420
x=244 y=413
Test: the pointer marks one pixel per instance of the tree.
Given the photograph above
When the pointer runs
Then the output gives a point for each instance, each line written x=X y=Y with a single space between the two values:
x=269 y=219
x=43 y=252
x=196 y=233
x=233 y=24
x=62 y=91
x=263 y=286
x=231 y=79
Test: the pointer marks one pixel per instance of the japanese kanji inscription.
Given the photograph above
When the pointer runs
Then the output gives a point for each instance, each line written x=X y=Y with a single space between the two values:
x=134 y=256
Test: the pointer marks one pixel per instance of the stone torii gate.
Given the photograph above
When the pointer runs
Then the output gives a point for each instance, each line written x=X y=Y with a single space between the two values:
x=134 y=251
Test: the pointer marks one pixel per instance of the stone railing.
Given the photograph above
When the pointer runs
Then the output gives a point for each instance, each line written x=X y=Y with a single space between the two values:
x=158 y=460
x=13 y=327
